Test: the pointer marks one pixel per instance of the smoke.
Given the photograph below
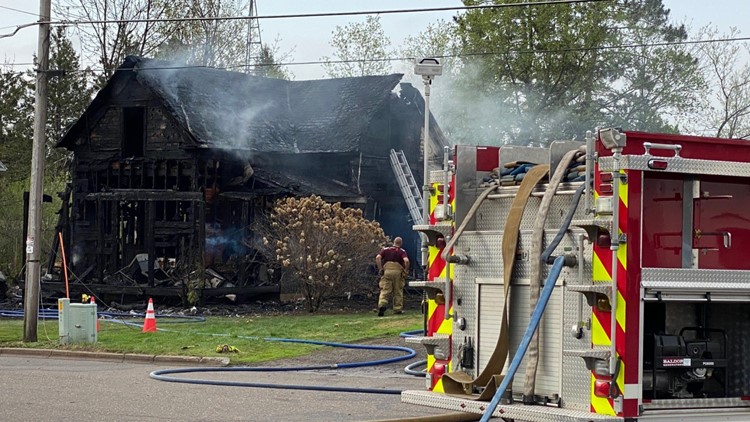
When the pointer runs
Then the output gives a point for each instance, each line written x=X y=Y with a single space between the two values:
x=226 y=109
x=473 y=109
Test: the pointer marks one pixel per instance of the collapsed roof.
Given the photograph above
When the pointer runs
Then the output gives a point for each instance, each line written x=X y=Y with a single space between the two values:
x=232 y=110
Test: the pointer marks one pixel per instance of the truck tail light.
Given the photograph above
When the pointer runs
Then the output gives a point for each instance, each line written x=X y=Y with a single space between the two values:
x=601 y=388
x=438 y=369
x=657 y=164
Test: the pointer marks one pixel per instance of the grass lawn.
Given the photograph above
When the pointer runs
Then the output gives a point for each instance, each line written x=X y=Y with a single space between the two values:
x=243 y=332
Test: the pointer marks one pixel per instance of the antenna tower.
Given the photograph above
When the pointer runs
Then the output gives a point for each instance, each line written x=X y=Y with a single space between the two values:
x=254 y=46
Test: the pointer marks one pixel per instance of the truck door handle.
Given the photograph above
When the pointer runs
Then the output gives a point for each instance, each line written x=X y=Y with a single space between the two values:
x=725 y=234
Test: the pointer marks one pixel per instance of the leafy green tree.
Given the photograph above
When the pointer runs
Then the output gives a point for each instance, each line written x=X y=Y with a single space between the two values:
x=360 y=49
x=16 y=123
x=657 y=79
x=268 y=66
x=69 y=93
x=533 y=74
x=538 y=63
x=16 y=132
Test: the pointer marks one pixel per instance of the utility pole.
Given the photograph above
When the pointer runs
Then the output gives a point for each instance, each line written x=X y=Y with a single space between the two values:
x=33 y=241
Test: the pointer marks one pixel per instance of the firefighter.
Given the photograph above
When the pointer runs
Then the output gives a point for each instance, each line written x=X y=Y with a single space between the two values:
x=393 y=265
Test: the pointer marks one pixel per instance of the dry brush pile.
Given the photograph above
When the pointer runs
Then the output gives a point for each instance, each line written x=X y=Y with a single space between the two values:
x=323 y=249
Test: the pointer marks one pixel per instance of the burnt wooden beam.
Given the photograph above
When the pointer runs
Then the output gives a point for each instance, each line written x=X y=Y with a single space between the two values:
x=58 y=287
x=150 y=247
x=145 y=195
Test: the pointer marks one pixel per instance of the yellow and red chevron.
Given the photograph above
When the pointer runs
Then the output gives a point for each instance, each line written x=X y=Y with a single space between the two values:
x=601 y=320
x=437 y=271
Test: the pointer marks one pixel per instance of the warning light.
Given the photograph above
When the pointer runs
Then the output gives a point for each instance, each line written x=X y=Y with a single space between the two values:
x=440 y=242
x=601 y=388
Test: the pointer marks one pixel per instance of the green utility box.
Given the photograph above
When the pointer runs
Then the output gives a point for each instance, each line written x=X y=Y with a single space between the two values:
x=77 y=322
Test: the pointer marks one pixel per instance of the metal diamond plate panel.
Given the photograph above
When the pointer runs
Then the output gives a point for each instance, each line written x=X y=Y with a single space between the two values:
x=694 y=279
x=464 y=306
x=697 y=403
x=575 y=374
x=550 y=353
x=734 y=318
x=679 y=165
x=437 y=176
x=517 y=412
x=493 y=213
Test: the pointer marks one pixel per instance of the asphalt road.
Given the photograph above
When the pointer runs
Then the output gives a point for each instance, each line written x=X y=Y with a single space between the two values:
x=34 y=389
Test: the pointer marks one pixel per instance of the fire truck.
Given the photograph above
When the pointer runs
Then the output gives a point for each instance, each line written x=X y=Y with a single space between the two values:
x=605 y=280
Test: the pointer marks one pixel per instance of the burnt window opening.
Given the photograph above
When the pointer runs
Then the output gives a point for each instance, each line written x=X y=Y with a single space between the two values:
x=133 y=131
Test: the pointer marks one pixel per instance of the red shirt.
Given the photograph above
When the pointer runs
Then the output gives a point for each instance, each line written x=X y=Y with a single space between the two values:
x=393 y=254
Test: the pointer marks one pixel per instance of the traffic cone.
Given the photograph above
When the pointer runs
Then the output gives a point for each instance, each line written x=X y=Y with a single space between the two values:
x=149 y=324
x=93 y=300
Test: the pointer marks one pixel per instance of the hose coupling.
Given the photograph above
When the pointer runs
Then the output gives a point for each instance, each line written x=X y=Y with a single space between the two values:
x=459 y=259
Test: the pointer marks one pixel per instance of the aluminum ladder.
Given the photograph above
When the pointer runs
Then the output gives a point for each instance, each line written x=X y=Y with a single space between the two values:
x=408 y=185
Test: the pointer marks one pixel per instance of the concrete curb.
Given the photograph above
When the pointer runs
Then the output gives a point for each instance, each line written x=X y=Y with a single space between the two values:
x=113 y=357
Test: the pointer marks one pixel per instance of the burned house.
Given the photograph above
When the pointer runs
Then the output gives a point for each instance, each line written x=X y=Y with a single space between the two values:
x=173 y=164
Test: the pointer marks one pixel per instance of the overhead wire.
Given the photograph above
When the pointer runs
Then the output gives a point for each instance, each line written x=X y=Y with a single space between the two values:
x=303 y=15
x=19 y=10
x=404 y=58
x=333 y=14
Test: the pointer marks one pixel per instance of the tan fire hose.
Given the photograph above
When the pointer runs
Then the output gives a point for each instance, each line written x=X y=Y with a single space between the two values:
x=461 y=383
x=532 y=354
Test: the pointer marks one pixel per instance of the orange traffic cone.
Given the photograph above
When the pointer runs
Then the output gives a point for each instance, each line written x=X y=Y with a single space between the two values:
x=93 y=300
x=149 y=324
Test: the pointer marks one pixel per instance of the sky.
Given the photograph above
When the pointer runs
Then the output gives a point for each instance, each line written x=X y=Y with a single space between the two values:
x=307 y=38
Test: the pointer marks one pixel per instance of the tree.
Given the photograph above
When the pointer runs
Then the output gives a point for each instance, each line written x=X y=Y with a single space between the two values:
x=437 y=40
x=534 y=66
x=204 y=42
x=107 y=44
x=322 y=248
x=537 y=73
x=726 y=111
x=360 y=49
x=16 y=131
x=16 y=123
x=653 y=85
x=268 y=66
x=69 y=93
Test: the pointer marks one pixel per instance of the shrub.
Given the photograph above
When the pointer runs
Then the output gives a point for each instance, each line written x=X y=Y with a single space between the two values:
x=322 y=248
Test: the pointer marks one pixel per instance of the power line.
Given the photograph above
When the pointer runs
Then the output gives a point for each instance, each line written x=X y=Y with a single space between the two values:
x=314 y=15
x=19 y=10
x=444 y=56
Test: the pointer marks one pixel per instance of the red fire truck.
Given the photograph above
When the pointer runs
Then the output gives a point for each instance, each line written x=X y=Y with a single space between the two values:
x=607 y=280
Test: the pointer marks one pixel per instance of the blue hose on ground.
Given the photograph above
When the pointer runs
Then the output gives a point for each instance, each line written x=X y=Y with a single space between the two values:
x=409 y=369
x=53 y=313
x=536 y=317
x=161 y=374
